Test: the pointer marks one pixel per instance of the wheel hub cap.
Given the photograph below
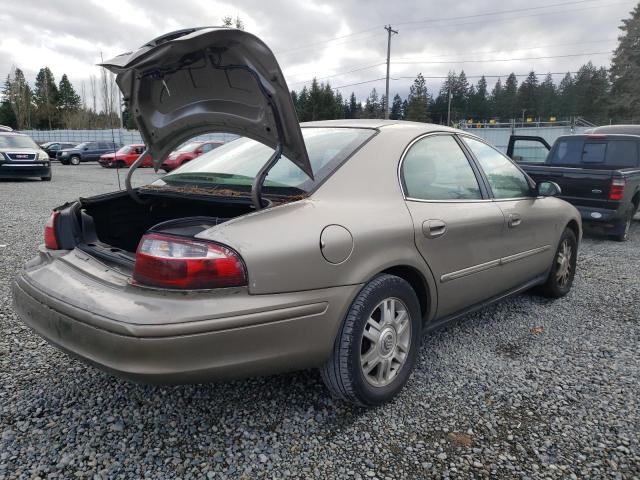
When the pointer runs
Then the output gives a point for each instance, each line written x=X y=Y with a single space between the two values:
x=385 y=344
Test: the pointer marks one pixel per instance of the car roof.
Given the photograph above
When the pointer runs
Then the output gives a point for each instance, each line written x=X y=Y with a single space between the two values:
x=381 y=124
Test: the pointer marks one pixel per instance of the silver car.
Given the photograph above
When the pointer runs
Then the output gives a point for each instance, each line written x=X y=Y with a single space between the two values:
x=332 y=244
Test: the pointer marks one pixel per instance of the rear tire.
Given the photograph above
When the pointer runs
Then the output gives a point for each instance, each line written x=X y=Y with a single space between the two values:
x=625 y=227
x=75 y=160
x=563 y=269
x=46 y=179
x=377 y=345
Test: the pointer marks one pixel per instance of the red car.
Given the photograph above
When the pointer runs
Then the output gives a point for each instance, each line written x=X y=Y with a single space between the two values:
x=125 y=157
x=188 y=152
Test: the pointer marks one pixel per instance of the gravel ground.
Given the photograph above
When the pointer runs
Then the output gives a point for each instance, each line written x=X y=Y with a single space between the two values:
x=529 y=388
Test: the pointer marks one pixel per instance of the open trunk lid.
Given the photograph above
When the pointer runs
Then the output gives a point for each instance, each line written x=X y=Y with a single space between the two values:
x=200 y=80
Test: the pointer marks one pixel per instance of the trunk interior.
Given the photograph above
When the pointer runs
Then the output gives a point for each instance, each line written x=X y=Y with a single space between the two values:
x=115 y=223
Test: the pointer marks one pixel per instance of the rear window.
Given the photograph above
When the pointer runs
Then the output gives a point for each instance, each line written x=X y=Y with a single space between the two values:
x=235 y=164
x=587 y=153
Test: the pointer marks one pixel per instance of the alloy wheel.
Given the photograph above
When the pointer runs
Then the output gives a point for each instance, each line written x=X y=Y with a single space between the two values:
x=386 y=341
x=563 y=272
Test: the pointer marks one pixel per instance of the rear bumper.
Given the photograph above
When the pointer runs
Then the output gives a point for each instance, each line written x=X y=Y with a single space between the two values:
x=601 y=217
x=280 y=332
x=21 y=170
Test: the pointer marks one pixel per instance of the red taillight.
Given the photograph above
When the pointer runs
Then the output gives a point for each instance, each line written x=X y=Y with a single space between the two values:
x=175 y=262
x=50 y=238
x=616 y=192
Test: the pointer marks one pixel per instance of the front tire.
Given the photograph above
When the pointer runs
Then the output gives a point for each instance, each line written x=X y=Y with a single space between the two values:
x=376 y=348
x=75 y=160
x=563 y=269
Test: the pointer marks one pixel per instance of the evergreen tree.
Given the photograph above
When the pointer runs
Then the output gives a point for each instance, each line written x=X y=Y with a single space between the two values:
x=45 y=97
x=496 y=100
x=372 y=106
x=625 y=71
x=592 y=93
x=479 y=100
x=548 y=98
x=528 y=95
x=396 y=108
x=418 y=101
x=68 y=99
x=18 y=93
x=351 y=110
x=229 y=21
x=567 y=96
x=510 y=106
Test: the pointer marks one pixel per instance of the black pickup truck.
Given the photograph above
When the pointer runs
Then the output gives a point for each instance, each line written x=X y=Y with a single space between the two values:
x=598 y=172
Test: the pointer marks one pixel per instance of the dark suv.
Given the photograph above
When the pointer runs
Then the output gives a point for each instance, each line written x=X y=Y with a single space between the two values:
x=86 y=152
x=52 y=148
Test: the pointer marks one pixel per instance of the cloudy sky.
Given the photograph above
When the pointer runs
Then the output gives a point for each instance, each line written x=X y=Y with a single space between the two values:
x=343 y=42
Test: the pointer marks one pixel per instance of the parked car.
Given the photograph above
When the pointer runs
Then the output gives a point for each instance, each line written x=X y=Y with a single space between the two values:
x=188 y=152
x=21 y=157
x=125 y=157
x=598 y=172
x=338 y=254
x=52 y=148
x=85 y=152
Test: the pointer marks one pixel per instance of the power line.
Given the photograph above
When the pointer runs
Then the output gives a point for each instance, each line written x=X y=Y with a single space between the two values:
x=501 y=59
x=444 y=78
x=480 y=52
x=499 y=12
x=340 y=73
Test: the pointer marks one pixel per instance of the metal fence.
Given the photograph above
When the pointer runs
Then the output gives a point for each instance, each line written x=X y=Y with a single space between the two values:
x=120 y=136
x=499 y=136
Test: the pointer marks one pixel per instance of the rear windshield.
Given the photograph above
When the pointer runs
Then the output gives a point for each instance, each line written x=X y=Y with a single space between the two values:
x=236 y=163
x=595 y=153
x=17 y=141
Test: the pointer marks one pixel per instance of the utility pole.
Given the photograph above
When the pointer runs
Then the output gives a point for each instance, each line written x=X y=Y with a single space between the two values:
x=386 y=98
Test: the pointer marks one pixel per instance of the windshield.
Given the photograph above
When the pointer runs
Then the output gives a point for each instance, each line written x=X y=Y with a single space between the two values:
x=236 y=163
x=80 y=146
x=17 y=141
x=124 y=150
x=189 y=147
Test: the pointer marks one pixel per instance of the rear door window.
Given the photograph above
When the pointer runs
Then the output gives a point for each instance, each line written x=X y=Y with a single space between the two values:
x=436 y=168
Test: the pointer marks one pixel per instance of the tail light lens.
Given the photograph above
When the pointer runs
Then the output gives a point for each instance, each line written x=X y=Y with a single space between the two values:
x=616 y=192
x=168 y=261
x=50 y=238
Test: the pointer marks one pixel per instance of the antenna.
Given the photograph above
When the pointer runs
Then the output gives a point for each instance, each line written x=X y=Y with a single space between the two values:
x=108 y=100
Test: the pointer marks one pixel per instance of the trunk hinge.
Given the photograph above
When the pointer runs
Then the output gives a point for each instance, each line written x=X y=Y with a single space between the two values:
x=127 y=182
x=258 y=182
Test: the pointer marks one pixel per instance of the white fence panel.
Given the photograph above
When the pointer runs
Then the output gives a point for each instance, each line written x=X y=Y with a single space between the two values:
x=123 y=137
x=499 y=137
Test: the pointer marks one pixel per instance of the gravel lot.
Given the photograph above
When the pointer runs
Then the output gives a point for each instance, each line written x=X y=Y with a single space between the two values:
x=529 y=388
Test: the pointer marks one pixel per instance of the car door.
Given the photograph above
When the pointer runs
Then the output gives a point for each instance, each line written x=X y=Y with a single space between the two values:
x=457 y=227
x=528 y=150
x=531 y=226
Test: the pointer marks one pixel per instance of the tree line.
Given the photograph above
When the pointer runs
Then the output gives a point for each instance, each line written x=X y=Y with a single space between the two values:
x=50 y=105
x=586 y=93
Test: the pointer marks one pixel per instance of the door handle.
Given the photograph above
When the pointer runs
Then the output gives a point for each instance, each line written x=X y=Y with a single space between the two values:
x=514 y=220
x=433 y=228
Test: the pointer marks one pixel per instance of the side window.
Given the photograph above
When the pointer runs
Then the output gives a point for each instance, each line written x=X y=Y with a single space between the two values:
x=206 y=147
x=436 y=168
x=529 y=151
x=505 y=179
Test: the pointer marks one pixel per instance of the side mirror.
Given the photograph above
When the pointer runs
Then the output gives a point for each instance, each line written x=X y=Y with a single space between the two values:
x=548 y=189
x=85 y=148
